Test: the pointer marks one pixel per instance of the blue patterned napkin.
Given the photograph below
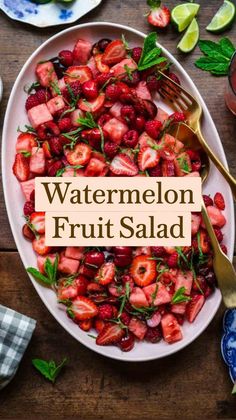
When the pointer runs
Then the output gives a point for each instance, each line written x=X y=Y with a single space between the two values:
x=15 y=333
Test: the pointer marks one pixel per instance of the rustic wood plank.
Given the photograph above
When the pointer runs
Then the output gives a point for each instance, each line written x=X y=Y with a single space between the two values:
x=120 y=11
x=192 y=384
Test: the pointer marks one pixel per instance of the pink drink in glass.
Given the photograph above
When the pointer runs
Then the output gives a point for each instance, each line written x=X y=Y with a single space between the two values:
x=230 y=94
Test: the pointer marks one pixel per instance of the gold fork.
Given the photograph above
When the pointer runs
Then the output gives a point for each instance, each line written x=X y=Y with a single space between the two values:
x=182 y=101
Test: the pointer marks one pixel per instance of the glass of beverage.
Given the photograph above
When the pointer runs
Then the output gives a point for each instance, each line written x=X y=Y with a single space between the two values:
x=230 y=93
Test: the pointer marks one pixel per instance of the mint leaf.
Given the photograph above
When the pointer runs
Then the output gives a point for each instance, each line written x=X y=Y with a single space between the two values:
x=179 y=296
x=227 y=47
x=212 y=49
x=151 y=53
x=48 y=369
x=154 y=3
x=50 y=269
x=88 y=121
x=212 y=65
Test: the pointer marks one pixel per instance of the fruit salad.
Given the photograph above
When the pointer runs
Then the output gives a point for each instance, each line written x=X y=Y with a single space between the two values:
x=91 y=112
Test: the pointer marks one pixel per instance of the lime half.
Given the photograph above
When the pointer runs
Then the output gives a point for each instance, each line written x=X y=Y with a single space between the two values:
x=190 y=38
x=183 y=14
x=223 y=18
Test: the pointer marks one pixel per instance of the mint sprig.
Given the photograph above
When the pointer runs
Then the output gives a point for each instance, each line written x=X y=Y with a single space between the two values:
x=50 y=270
x=88 y=121
x=179 y=296
x=49 y=369
x=216 y=57
x=151 y=54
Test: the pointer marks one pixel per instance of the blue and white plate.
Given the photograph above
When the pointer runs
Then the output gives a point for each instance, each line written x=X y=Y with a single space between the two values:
x=228 y=341
x=50 y=14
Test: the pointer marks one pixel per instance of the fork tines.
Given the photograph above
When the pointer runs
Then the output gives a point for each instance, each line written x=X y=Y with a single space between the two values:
x=172 y=92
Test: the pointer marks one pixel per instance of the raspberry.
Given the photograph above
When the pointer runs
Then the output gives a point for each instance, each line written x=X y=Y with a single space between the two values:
x=156 y=171
x=53 y=167
x=113 y=92
x=104 y=119
x=224 y=249
x=103 y=78
x=74 y=90
x=128 y=113
x=56 y=146
x=28 y=208
x=64 y=124
x=66 y=58
x=219 y=234
x=130 y=138
x=177 y=117
x=153 y=128
x=153 y=83
x=111 y=149
x=172 y=260
x=193 y=154
x=43 y=95
x=158 y=251
x=207 y=200
x=153 y=335
x=125 y=318
x=175 y=78
x=219 y=201
x=196 y=165
x=105 y=311
x=31 y=101
x=136 y=54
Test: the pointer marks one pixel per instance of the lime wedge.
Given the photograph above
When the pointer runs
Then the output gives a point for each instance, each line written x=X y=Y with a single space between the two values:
x=190 y=38
x=223 y=18
x=183 y=14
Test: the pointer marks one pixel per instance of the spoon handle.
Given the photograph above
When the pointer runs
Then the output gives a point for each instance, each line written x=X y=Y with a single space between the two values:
x=226 y=174
x=223 y=268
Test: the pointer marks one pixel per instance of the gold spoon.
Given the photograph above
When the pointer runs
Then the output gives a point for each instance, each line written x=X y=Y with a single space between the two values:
x=223 y=268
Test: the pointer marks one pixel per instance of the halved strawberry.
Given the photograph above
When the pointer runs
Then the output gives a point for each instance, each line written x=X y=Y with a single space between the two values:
x=46 y=150
x=21 y=167
x=86 y=325
x=102 y=68
x=138 y=298
x=171 y=329
x=138 y=328
x=110 y=334
x=80 y=155
x=82 y=308
x=81 y=73
x=67 y=289
x=216 y=216
x=27 y=188
x=194 y=307
x=106 y=273
x=96 y=167
x=37 y=220
x=147 y=158
x=143 y=270
x=114 y=52
x=123 y=165
x=159 y=15
x=25 y=142
x=40 y=247
x=92 y=106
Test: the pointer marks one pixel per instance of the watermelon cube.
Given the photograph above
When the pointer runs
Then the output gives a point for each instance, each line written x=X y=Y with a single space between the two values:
x=81 y=52
x=75 y=252
x=120 y=68
x=184 y=279
x=55 y=104
x=116 y=129
x=138 y=328
x=38 y=115
x=37 y=161
x=138 y=298
x=68 y=265
x=41 y=259
x=157 y=294
x=27 y=188
x=143 y=91
x=46 y=74
x=162 y=115
x=171 y=329
x=75 y=115
x=115 y=109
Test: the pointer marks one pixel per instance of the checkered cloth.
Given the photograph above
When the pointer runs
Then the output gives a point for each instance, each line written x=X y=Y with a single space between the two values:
x=15 y=333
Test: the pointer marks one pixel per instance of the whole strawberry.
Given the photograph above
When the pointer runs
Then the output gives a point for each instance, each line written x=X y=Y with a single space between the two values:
x=159 y=14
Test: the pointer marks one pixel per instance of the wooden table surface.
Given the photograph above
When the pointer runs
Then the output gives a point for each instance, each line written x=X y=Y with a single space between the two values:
x=191 y=384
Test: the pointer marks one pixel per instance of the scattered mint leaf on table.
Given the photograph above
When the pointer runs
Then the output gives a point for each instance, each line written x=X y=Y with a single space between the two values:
x=216 y=57
x=49 y=369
